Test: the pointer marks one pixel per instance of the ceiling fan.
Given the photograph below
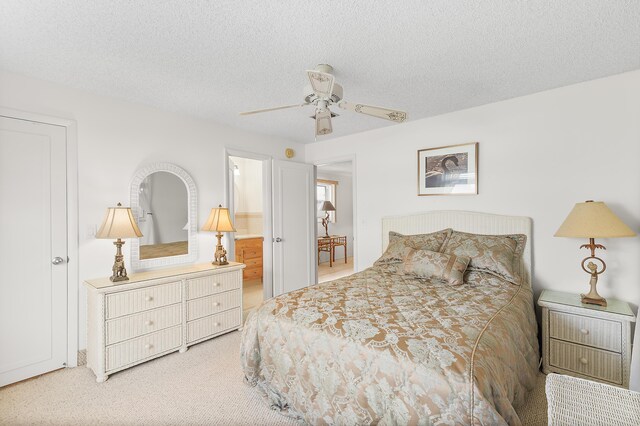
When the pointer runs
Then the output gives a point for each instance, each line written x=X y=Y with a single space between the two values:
x=324 y=92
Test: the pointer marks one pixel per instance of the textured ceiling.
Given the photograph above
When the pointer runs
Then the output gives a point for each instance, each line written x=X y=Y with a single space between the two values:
x=213 y=59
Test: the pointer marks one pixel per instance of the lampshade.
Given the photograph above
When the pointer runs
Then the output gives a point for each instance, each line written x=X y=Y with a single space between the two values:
x=327 y=207
x=219 y=220
x=593 y=219
x=119 y=223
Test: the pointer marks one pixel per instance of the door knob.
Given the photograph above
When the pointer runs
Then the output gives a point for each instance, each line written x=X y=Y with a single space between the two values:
x=57 y=260
x=278 y=239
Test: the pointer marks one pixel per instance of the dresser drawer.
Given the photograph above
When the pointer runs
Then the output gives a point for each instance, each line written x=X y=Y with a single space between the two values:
x=251 y=274
x=596 y=332
x=204 y=306
x=132 y=301
x=255 y=253
x=135 y=325
x=603 y=365
x=213 y=324
x=205 y=286
x=141 y=348
x=253 y=263
x=249 y=243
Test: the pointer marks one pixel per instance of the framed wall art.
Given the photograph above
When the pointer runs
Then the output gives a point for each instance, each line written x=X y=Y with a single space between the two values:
x=448 y=170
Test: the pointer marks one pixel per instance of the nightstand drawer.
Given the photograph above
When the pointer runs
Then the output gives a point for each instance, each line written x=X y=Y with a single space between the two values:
x=596 y=363
x=596 y=332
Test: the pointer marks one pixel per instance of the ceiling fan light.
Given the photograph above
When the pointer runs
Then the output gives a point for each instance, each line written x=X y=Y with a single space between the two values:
x=323 y=123
x=322 y=83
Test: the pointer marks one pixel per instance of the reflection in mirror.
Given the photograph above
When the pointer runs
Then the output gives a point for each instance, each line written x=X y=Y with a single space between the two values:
x=163 y=216
x=164 y=201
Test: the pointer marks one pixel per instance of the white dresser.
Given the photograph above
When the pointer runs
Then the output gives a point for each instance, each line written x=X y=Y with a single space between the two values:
x=158 y=312
x=588 y=341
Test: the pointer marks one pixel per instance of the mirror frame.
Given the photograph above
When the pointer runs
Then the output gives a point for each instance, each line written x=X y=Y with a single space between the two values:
x=138 y=264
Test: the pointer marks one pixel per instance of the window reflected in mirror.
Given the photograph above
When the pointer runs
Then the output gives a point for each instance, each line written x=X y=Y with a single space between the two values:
x=163 y=216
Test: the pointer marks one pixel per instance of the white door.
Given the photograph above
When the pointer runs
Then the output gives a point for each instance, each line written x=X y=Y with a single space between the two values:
x=294 y=216
x=33 y=249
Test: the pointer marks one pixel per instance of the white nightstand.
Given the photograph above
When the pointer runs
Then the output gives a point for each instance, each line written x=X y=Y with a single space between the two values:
x=588 y=341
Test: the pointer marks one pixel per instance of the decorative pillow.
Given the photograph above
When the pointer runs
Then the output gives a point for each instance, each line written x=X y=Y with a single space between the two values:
x=496 y=254
x=400 y=245
x=431 y=264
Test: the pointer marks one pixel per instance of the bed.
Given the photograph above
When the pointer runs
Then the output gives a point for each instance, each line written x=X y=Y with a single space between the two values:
x=386 y=346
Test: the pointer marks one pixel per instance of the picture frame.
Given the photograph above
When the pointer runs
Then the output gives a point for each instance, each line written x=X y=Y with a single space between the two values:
x=448 y=170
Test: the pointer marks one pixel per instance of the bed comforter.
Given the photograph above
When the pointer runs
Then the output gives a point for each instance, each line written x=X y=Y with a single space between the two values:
x=382 y=348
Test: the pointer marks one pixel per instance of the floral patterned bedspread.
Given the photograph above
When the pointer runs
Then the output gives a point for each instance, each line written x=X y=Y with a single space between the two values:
x=382 y=348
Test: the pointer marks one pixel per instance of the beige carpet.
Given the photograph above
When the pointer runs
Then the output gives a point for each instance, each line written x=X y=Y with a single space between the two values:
x=202 y=386
x=252 y=295
x=338 y=270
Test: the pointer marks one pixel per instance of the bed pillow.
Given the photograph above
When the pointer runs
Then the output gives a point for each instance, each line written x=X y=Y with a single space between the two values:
x=400 y=245
x=431 y=264
x=496 y=254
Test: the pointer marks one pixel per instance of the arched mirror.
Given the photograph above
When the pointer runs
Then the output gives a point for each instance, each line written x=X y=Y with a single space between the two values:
x=163 y=200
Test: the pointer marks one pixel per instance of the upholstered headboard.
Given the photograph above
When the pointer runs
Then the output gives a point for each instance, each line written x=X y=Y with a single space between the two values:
x=475 y=222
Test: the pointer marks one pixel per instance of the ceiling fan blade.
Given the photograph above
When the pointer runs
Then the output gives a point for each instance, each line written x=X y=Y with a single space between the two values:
x=374 y=111
x=323 y=122
x=273 y=109
x=321 y=82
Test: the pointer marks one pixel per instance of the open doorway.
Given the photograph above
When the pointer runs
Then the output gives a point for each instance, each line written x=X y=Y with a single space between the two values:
x=335 y=208
x=247 y=208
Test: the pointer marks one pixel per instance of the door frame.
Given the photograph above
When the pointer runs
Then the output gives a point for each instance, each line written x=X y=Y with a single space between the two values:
x=354 y=186
x=267 y=212
x=72 y=220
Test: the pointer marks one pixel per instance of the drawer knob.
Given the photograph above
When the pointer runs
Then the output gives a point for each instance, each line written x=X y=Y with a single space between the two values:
x=148 y=322
x=148 y=298
x=584 y=331
x=216 y=284
x=583 y=361
x=148 y=346
x=217 y=324
x=216 y=304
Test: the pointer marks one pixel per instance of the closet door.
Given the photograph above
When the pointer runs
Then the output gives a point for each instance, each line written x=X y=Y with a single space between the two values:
x=294 y=226
x=33 y=249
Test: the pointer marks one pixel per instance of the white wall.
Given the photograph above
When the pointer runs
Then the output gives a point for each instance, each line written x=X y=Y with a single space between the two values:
x=115 y=138
x=538 y=155
x=248 y=185
x=344 y=212
x=247 y=193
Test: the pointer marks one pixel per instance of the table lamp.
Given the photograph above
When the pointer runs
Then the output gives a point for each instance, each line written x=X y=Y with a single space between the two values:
x=219 y=221
x=119 y=223
x=326 y=207
x=593 y=219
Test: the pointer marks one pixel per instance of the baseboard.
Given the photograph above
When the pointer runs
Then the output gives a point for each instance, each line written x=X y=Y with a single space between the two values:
x=82 y=357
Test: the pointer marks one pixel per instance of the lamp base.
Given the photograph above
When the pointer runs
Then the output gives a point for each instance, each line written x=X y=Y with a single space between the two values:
x=119 y=272
x=593 y=298
x=325 y=223
x=220 y=255
x=593 y=301
x=115 y=279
